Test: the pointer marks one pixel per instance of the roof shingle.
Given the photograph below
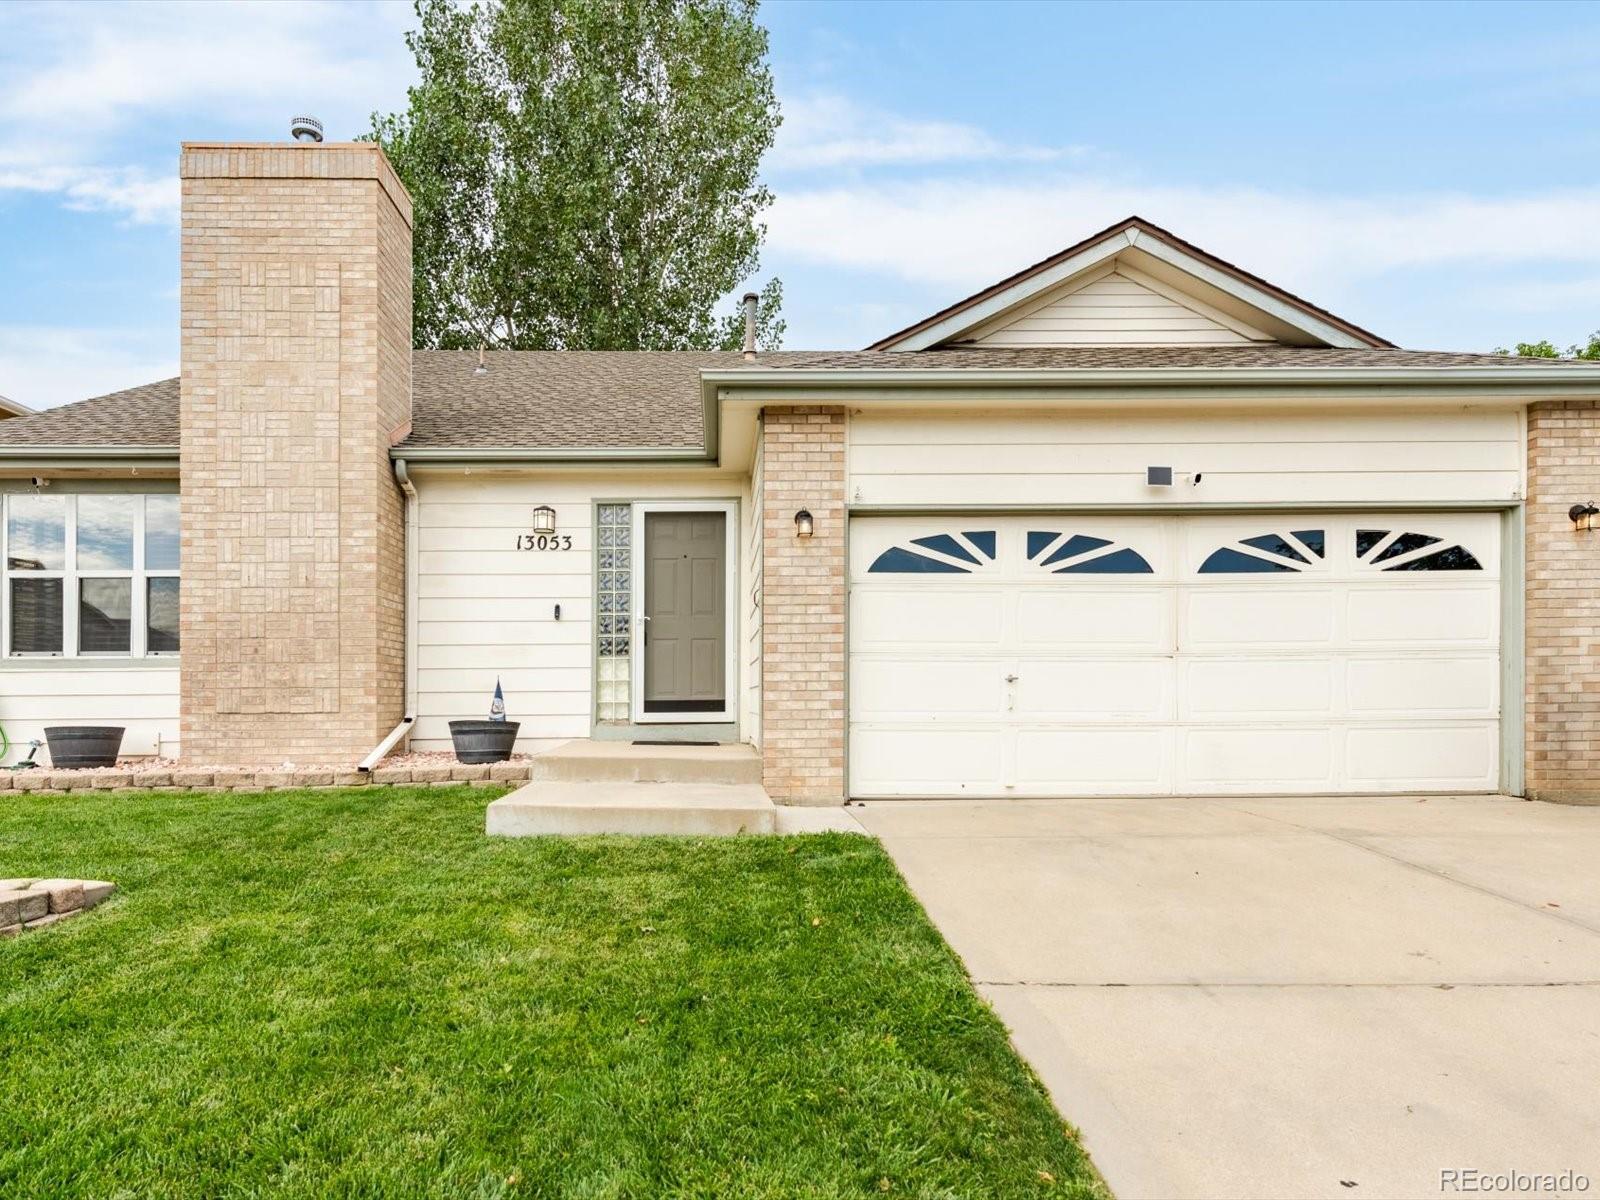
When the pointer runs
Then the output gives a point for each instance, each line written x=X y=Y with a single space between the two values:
x=642 y=399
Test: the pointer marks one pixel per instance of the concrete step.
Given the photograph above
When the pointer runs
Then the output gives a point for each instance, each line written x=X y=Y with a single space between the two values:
x=622 y=762
x=562 y=807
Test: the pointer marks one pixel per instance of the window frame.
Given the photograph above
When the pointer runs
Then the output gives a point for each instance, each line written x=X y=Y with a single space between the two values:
x=71 y=575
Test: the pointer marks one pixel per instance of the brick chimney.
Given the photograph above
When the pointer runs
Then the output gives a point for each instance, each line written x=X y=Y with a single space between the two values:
x=296 y=344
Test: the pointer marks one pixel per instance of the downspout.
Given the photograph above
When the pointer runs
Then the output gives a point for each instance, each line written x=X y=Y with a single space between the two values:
x=403 y=478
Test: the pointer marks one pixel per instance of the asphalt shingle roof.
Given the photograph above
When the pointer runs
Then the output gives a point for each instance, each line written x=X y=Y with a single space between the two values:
x=139 y=416
x=604 y=399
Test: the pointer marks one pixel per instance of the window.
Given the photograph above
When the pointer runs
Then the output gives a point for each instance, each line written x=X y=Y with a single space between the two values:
x=613 y=625
x=1080 y=554
x=90 y=575
x=938 y=554
x=1264 y=553
x=1385 y=550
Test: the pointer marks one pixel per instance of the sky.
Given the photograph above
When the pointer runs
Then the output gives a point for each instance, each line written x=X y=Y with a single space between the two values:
x=1430 y=171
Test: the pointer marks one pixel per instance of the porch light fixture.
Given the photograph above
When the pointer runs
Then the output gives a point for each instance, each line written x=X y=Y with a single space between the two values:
x=802 y=523
x=1582 y=516
x=544 y=519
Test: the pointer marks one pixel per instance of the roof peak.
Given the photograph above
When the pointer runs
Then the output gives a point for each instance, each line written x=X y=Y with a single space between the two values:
x=1295 y=319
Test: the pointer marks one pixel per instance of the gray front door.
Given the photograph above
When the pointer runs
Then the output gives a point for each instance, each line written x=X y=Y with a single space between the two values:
x=684 y=589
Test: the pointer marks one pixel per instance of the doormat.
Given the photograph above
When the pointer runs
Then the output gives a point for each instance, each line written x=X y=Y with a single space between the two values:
x=665 y=742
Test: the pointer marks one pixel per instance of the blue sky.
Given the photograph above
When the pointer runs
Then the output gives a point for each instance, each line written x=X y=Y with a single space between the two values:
x=1430 y=171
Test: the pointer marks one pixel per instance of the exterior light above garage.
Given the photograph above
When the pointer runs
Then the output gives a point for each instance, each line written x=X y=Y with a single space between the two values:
x=544 y=519
x=1582 y=516
x=803 y=523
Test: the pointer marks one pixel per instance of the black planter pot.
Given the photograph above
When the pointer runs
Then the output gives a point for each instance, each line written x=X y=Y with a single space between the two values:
x=484 y=741
x=84 y=745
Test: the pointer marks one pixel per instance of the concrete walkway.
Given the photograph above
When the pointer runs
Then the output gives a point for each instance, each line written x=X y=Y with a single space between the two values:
x=1286 y=997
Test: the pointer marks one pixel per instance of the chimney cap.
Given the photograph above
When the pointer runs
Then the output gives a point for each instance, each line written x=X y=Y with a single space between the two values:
x=752 y=296
x=305 y=129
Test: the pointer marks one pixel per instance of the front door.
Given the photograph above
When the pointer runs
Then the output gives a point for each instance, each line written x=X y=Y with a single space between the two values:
x=685 y=606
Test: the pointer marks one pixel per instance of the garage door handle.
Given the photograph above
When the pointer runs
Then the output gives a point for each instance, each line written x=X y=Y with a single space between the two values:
x=1011 y=678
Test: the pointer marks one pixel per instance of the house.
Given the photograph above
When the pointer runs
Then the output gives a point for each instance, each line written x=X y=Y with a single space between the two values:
x=1130 y=521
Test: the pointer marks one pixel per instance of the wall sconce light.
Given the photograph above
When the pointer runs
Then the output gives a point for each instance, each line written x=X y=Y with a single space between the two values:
x=803 y=526
x=544 y=519
x=1582 y=516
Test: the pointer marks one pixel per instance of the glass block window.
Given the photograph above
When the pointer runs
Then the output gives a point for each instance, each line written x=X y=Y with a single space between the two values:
x=613 y=611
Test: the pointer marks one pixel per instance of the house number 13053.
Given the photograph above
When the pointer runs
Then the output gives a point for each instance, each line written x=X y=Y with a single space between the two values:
x=544 y=541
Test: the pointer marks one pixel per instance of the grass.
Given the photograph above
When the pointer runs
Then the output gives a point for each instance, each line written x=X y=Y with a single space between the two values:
x=356 y=993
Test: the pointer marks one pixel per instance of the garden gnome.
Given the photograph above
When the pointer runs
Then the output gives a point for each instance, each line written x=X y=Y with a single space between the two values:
x=497 y=706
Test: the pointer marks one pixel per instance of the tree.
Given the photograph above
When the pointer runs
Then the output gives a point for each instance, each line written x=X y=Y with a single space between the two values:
x=584 y=172
x=1547 y=349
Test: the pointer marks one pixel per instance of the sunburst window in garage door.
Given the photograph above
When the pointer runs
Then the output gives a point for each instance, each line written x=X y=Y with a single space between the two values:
x=1297 y=550
x=938 y=554
x=1080 y=553
x=1386 y=550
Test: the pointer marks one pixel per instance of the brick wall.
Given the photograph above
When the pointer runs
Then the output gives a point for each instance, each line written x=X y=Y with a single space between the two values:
x=1563 y=604
x=296 y=330
x=802 y=610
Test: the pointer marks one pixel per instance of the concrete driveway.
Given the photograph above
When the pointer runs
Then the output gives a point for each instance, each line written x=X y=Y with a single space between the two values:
x=1290 y=996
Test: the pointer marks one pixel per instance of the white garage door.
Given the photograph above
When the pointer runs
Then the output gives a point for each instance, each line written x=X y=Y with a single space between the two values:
x=1081 y=655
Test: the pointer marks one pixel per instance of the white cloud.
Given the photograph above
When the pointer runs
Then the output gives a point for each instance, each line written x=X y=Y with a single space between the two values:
x=130 y=191
x=90 y=86
x=968 y=234
x=44 y=365
x=832 y=131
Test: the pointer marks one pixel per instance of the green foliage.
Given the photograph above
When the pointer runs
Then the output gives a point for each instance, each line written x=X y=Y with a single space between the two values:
x=584 y=172
x=1547 y=349
x=355 y=993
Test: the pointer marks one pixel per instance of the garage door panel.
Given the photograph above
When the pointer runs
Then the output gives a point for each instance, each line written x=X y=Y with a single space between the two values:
x=1423 y=616
x=1424 y=686
x=1063 y=761
x=1069 y=617
x=1413 y=757
x=1255 y=759
x=1231 y=618
x=1259 y=688
x=1321 y=671
x=927 y=762
x=1101 y=690
x=901 y=616
x=906 y=687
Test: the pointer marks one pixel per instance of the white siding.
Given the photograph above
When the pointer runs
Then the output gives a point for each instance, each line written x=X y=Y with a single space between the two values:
x=1110 y=310
x=1450 y=456
x=486 y=609
x=142 y=698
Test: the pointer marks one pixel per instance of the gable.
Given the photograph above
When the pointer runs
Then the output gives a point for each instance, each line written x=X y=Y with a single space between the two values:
x=1115 y=307
x=1195 y=299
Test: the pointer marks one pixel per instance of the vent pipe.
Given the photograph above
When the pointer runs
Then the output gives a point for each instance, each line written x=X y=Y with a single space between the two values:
x=750 y=302
x=305 y=129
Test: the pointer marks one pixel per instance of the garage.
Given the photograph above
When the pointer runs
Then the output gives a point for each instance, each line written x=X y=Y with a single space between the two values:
x=1075 y=654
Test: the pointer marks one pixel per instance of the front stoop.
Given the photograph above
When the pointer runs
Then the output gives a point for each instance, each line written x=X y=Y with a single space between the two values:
x=623 y=762
x=617 y=787
x=563 y=807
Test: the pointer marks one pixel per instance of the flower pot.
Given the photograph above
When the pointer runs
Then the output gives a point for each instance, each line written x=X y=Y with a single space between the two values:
x=84 y=745
x=484 y=741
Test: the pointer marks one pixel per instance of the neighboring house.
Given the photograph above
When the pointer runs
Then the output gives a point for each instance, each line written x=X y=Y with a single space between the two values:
x=1130 y=521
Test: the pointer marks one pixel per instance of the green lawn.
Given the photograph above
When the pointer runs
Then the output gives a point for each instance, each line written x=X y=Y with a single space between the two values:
x=356 y=993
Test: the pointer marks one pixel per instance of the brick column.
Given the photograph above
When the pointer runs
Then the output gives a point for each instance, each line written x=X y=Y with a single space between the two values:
x=802 y=606
x=1563 y=605
x=296 y=348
